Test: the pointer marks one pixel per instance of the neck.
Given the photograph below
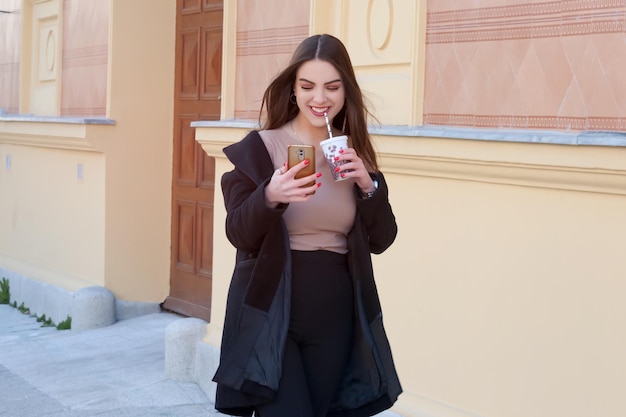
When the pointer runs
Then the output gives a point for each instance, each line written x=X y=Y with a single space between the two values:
x=307 y=133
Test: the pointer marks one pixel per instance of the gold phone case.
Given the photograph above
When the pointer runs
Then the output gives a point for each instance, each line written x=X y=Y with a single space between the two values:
x=297 y=154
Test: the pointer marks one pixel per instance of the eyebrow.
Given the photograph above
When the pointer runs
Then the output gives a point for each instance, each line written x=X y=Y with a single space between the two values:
x=329 y=82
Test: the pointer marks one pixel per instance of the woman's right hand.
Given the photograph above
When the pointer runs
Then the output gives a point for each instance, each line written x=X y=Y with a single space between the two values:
x=285 y=188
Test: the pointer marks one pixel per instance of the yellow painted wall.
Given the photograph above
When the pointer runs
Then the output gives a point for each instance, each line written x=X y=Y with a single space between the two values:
x=213 y=140
x=502 y=293
x=139 y=149
x=385 y=41
x=51 y=220
x=113 y=227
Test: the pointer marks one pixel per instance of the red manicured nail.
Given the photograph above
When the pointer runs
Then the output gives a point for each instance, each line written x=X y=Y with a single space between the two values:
x=319 y=174
x=319 y=184
x=343 y=174
x=307 y=162
x=340 y=150
x=337 y=169
x=336 y=158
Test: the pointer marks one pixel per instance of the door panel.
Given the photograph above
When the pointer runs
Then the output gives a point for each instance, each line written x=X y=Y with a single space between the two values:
x=198 y=89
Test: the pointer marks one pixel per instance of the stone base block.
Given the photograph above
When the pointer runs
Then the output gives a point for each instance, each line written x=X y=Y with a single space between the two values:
x=206 y=363
x=181 y=339
x=93 y=307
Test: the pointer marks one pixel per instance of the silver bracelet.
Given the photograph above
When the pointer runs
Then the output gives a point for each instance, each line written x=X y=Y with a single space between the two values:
x=369 y=194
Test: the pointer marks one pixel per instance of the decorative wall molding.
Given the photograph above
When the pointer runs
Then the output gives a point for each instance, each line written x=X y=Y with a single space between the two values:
x=48 y=56
x=527 y=10
x=41 y=74
x=525 y=175
x=270 y=41
x=528 y=31
x=57 y=133
x=86 y=56
x=525 y=21
x=380 y=23
x=528 y=122
x=406 y=156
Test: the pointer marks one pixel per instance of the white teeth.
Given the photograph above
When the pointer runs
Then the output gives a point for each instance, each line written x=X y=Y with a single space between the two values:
x=320 y=109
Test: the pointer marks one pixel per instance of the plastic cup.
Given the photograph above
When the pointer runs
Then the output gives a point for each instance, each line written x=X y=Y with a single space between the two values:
x=331 y=148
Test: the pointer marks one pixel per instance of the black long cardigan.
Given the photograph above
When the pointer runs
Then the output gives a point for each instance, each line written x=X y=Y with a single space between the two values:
x=258 y=305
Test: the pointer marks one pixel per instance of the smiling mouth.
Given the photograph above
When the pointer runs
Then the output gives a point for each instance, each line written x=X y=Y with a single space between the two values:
x=320 y=110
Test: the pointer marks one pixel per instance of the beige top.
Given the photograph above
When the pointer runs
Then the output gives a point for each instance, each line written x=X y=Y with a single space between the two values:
x=324 y=221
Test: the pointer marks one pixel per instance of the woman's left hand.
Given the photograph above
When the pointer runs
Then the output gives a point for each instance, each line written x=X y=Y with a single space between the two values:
x=355 y=168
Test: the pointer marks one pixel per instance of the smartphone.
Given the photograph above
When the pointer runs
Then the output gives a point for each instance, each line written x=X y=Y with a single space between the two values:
x=297 y=154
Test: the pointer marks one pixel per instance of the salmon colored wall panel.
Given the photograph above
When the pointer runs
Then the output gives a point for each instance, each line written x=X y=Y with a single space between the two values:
x=267 y=35
x=85 y=56
x=539 y=65
x=10 y=34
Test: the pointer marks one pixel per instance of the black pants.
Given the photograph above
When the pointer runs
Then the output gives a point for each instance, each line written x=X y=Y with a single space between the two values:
x=320 y=336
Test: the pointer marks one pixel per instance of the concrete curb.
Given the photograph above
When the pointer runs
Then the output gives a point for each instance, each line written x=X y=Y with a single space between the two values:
x=89 y=307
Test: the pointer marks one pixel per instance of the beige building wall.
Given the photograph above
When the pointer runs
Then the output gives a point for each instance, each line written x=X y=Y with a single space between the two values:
x=385 y=42
x=52 y=211
x=501 y=294
x=500 y=291
x=87 y=201
x=138 y=150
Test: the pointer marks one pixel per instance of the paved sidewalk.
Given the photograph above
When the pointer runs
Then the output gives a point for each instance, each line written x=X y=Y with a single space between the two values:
x=115 y=371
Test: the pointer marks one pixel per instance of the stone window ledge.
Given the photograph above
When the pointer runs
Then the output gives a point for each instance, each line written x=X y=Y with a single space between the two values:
x=592 y=138
x=78 y=133
x=576 y=161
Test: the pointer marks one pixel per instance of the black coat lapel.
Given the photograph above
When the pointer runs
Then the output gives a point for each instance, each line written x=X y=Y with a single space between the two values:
x=250 y=156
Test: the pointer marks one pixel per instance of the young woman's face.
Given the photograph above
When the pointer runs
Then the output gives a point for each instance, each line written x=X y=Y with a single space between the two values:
x=319 y=89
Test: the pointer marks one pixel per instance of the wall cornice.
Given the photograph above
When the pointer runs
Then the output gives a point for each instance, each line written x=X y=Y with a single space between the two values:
x=526 y=175
x=53 y=132
x=548 y=164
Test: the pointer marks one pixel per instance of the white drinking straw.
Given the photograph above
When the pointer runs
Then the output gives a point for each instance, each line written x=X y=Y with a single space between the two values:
x=330 y=133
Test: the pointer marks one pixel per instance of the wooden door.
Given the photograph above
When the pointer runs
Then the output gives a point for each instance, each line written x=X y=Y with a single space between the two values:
x=197 y=97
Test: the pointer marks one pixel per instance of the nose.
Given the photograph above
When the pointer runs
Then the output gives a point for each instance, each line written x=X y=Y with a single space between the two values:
x=320 y=95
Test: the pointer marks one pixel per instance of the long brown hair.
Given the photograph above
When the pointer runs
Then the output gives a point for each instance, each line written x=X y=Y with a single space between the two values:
x=353 y=117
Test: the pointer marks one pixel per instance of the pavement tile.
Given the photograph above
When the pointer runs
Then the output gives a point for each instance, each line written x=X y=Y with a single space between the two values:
x=116 y=371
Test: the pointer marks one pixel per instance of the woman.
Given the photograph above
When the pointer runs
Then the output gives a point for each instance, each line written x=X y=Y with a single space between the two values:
x=303 y=333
